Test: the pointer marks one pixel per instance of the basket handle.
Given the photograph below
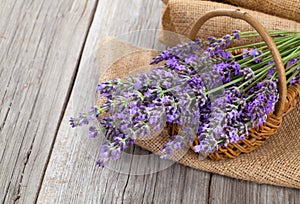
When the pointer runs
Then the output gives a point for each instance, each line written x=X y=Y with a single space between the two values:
x=237 y=13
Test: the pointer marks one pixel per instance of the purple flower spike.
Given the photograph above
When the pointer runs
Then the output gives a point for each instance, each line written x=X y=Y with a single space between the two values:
x=265 y=95
x=197 y=148
x=177 y=143
x=93 y=132
x=291 y=62
x=100 y=163
x=177 y=92
x=211 y=39
x=105 y=151
x=236 y=34
x=116 y=153
x=180 y=51
x=84 y=118
x=255 y=53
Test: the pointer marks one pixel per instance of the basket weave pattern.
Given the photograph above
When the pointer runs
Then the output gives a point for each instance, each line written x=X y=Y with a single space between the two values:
x=258 y=135
x=276 y=162
x=287 y=100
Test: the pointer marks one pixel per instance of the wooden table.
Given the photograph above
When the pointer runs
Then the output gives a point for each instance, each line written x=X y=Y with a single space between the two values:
x=49 y=73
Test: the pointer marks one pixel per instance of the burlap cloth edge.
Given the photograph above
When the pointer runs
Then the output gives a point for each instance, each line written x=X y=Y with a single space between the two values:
x=179 y=15
x=277 y=162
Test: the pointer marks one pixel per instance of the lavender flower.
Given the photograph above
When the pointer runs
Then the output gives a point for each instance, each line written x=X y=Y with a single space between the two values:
x=262 y=102
x=253 y=54
x=84 y=118
x=107 y=89
x=248 y=74
x=93 y=132
x=171 y=146
x=292 y=62
x=222 y=127
x=236 y=34
x=181 y=51
x=202 y=87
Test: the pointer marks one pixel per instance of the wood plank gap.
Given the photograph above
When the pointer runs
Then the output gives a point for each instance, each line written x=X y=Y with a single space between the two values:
x=17 y=196
x=6 y=192
x=126 y=184
x=68 y=96
x=154 y=189
x=2 y=102
x=143 y=196
x=5 y=117
x=209 y=188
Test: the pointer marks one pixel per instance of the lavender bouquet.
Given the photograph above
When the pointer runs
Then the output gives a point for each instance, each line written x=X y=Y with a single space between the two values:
x=201 y=86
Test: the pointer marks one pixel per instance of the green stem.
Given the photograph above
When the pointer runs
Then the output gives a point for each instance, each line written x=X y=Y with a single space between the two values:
x=225 y=85
x=291 y=77
x=292 y=68
x=256 y=81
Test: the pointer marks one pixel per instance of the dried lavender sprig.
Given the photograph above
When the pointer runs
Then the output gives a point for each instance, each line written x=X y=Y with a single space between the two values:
x=85 y=117
x=214 y=52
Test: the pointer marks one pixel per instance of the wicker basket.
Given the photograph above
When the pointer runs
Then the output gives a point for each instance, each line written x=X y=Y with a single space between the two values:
x=287 y=98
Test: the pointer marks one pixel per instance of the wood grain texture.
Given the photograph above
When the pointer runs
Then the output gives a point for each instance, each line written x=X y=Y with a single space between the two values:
x=225 y=190
x=48 y=73
x=40 y=48
x=71 y=175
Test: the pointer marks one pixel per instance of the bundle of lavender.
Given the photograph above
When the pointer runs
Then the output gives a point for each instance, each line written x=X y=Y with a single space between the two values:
x=209 y=92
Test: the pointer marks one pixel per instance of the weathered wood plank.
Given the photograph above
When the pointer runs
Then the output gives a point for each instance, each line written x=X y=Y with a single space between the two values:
x=71 y=175
x=227 y=190
x=40 y=48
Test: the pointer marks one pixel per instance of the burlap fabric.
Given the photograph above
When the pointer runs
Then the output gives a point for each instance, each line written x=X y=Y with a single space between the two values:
x=277 y=162
x=289 y=9
x=180 y=15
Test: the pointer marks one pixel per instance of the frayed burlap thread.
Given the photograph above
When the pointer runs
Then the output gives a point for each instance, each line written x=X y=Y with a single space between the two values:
x=277 y=162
